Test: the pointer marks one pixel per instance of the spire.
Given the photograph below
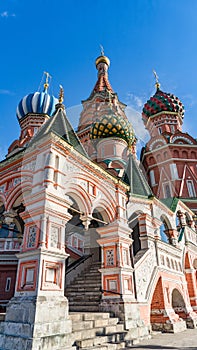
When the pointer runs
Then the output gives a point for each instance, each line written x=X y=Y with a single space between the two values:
x=46 y=84
x=134 y=177
x=102 y=50
x=102 y=64
x=102 y=59
x=61 y=94
x=60 y=125
x=157 y=84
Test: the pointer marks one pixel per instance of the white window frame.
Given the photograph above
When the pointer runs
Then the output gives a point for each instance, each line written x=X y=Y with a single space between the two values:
x=174 y=171
x=152 y=177
x=191 y=190
x=164 y=189
x=8 y=284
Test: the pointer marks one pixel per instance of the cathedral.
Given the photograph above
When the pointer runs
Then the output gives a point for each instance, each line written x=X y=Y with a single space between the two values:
x=98 y=248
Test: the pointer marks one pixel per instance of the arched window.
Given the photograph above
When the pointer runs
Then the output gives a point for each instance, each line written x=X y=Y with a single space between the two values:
x=165 y=155
x=163 y=231
x=167 y=191
x=176 y=154
x=158 y=157
x=184 y=155
x=188 y=219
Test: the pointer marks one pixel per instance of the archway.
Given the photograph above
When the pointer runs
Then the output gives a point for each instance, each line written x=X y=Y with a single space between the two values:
x=178 y=304
x=74 y=233
x=134 y=225
x=98 y=220
x=164 y=230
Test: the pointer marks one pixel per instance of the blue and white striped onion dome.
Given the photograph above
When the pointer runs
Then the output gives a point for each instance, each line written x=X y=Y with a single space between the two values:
x=38 y=102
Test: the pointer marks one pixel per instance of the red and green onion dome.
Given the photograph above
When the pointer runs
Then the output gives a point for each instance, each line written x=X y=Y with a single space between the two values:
x=162 y=102
x=112 y=125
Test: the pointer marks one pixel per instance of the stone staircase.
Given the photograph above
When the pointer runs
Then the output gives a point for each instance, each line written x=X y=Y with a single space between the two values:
x=97 y=331
x=91 y=329
x=84 y=293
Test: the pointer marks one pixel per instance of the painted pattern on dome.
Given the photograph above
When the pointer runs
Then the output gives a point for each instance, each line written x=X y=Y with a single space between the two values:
x=112 y=125
x=161 y=102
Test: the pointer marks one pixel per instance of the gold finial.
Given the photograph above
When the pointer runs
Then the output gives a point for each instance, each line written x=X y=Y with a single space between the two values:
x=46 y=84
x=102 y=50
x=61 y=94
x=157 y=84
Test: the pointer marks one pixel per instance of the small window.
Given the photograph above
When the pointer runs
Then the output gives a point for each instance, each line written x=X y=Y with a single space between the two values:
x=191 y=189
x=163 y=234
x=152 y=177
x=160 y=130
x=166 y=190
x=172 y=129
x=8 y=284
x=174 y=172
x=55 y=175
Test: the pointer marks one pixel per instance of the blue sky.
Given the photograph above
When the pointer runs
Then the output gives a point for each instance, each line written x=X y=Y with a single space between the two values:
x=63 y=37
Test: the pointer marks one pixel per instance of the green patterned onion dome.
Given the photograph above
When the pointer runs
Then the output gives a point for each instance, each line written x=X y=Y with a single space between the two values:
x=160 y=102
x=112 y=125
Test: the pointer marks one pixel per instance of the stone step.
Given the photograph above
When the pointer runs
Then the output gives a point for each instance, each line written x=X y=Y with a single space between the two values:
x=81 y=325
x=88 y=293
x=84 y=298
x=87 y=282
x=81 y=308
x=88 y=279
x=83 y=288
x=89 y=316
x=114 y=329
x=100 y=340
x=85 y=285
x=107 y=346
x=84 y=302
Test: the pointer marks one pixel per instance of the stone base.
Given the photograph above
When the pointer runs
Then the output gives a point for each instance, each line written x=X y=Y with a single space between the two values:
x=127 y=312
x=191 y=322
x=170 y=327
x=36 y=324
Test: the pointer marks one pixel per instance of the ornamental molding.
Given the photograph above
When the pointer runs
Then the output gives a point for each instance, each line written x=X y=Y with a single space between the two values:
x=159 y=140
x=178 y=137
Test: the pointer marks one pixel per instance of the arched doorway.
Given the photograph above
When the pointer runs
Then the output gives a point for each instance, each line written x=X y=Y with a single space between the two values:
x=134 y=225
x=178 y=304
x=96 y=222
x=75 y=233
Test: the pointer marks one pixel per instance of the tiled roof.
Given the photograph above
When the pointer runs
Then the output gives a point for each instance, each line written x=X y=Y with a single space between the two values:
x=134 y=177
x=60 y=125
x=171 y=203
x=102 y=84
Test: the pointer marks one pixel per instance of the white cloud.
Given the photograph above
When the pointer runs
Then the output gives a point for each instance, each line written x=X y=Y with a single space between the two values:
x=6 y=14
x=5 y=92
x=135 y=100
x=3 y=152
x=135 y=118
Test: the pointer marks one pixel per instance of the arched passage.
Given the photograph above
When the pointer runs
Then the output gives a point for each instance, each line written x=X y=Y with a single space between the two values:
x=134 y=225
x=178 y=304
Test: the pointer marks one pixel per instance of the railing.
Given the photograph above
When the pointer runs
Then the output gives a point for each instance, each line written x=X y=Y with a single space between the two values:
x=110 y=291
x=9 y=245
x=76 y=263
